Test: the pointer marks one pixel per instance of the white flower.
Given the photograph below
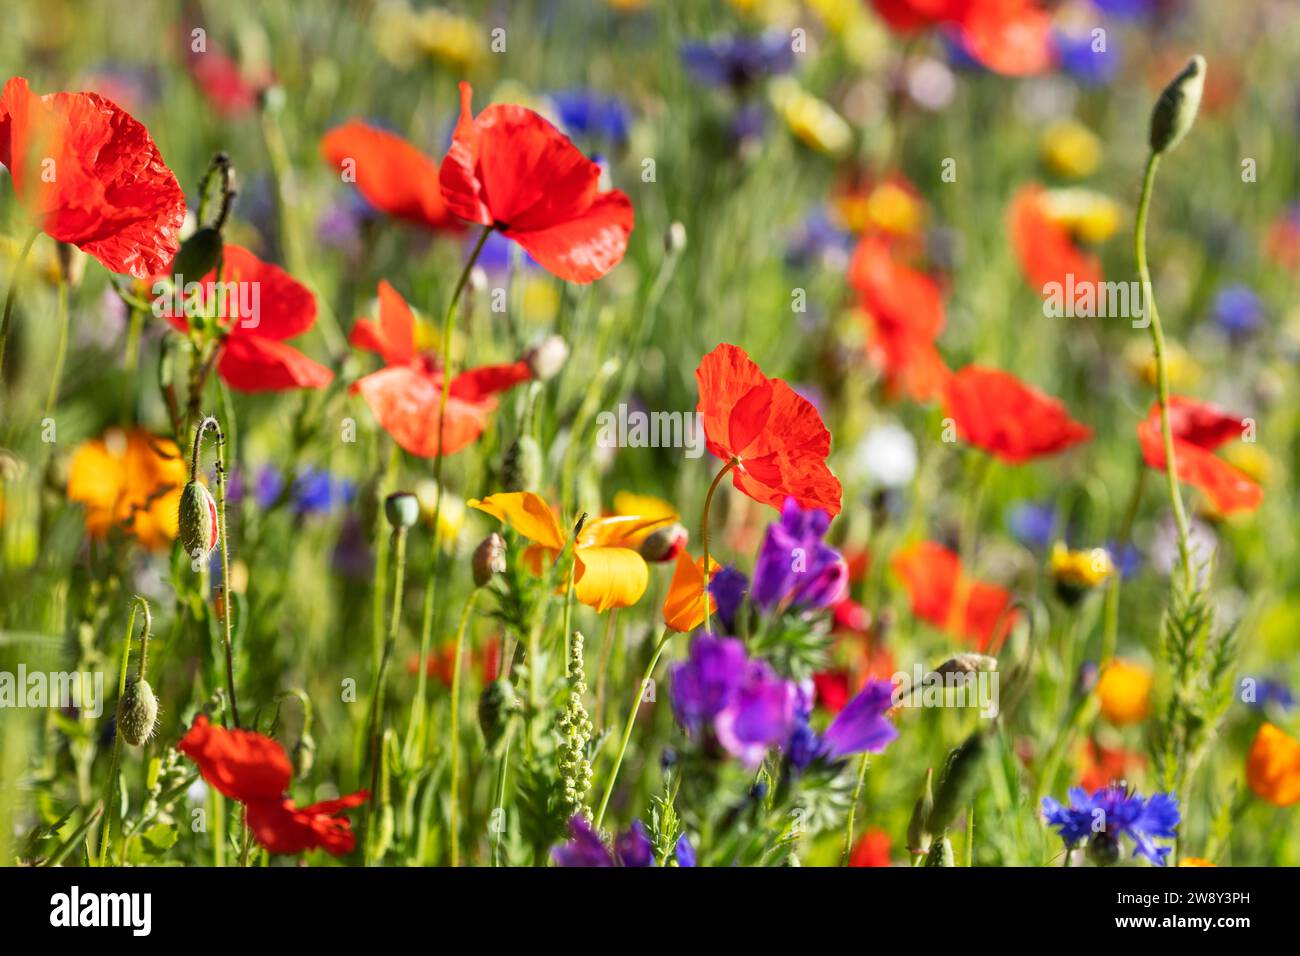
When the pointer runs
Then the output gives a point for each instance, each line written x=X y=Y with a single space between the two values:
x=887 y=456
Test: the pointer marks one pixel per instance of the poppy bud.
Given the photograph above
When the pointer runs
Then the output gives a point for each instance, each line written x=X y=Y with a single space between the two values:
x=402 y=509
x=489 y=559
x=137 y=712
x=941 y=854
x=1175 y=111
x=959 y=779
x=663 y=544
x=198 y=520
x=547 y=358
x=72 y=264
x=304 y=755
x=522 y=468
x=198 y=254
x=495 y=708
x=918 y=836
x=967 y=664
x=675 y=238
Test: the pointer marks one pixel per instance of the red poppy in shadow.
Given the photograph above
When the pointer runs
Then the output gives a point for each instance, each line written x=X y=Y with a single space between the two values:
x=511 y=169
x=776 y=433
x=1198 y=429
x=1000 y=414
x=943 y=595
x=90 y=175
x=406 y=394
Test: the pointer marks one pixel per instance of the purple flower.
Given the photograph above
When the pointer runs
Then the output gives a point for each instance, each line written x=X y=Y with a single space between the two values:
x=1110 y=813
x=684 y=852
x=705 y=683
x=737 y=61
x=760 y=714
x=1270 y=691
x=1237 y=311
x=1032 y=523
x=795 y=566
x=586 y=848
x=862 y=727
x=728 y=587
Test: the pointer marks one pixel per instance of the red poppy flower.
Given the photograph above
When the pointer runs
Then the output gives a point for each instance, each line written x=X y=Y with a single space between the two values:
x=441 y=662
x=1012 y=37
x=905 y=309
x=1046 y=250
x=222 y=82
x=107 y=191
x=254 y=770
x=1198 y=428
x=872 y=849
x=511 y=169
x=1101 y=766
x=393 y=176
x=775 y=432
x=258 y=306
x=405 y=395
x=943 y=595
x=1002 y=415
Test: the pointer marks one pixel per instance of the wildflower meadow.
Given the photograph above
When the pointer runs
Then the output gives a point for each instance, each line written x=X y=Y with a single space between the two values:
x=624 y=433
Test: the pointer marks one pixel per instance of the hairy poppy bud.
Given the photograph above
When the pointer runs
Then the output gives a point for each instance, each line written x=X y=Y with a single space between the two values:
x=137 y=712
x=198 y=520
x=522 y=468
x=547 y=358
x=941 y=854
x=967 y=664
x=304 y=755
x=402 y=509
x=918 y=836
x=663 y=544
x=198 y=255
x=495 y=708
x=1175 y=111
x=675 y=238
x=959 y=780
x=489 y=559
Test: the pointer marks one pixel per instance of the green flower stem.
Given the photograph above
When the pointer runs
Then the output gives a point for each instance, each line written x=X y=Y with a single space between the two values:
x=704 y=537
x=377 y=693
x=61 y=319
x=453 y=826
x=636 y=707
x=969 y=850
x=11 y=296
x=1162 y=367
x=227 y=641
x=414 y=726
x=110 y=797
x=863 y=764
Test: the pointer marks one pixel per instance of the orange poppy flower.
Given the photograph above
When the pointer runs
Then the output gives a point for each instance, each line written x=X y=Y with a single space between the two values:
x=1101 y=766
x=684 y=605
x=777 y=434
x=1124 y=690
x=107 y=191
x=392 y=175
x=905 y=310
x=943 y=595
x=1046 y=250
x=1005 y=417
x=510 y=169
x=1198 y=428
x=131 y=481
x=405 y=395
x=1273 y=766
x=608 y=573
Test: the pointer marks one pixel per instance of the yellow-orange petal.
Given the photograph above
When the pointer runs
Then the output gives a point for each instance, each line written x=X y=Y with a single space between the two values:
x=619 y=531
x=527 y=513
x=684 y=605
x=609 y=577
x=1273 y=766
x=129 y=480
x=1125 y=692
x=1195 y=861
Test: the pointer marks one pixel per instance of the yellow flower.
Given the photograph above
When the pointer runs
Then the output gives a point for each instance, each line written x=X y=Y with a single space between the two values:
x=1251 y=459
x=1194 y=861
x=1090 y=216
x=812 y=121
x=131 y=481
x=451 y=518
x=1070 y=149
x=1125 y=692
x=1182 y=368
x=1080 y=569
x=1273 y=766
x=892 y=209
x=608 y=570
x=455 y=41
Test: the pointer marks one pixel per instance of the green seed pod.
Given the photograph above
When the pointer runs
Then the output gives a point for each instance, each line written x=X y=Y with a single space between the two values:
x=304 y=755
x=198 y=520
x=137 y=712
x=918 y=837
x=198 y=255
x=495 y=708
x=1175 y=111
x=402 y=509
x=940 y=853
x=959 y=778
x=521 y=470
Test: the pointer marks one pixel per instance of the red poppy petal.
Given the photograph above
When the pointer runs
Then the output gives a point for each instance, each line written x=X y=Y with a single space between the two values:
x=1227 y=488
x=393 y=176
x=586 y=247
x=239 y=763
x=405 y=402
x=1000 y=414
x=724 y=377
x=254 y=364
x=1200 y=423
x=258 y=298
x=749 y=416
x=1011 y=37
x=929 y=572
x=393 y=336
x=1046 y=252
x=478 y=384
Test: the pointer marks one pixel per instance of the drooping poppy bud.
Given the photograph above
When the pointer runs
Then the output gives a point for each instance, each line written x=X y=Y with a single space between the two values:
x=495 y=708
x=199 y=255
x=547 y=358
x=960 y=776
x=522 y=468
x=402 y=509
x=1175 y=111
x=918 y=836
x=489 y=559
x=137 y=712
x=198 y=520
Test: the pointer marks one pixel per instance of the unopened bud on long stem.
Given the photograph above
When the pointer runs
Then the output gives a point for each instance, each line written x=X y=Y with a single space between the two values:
x=1175 y=111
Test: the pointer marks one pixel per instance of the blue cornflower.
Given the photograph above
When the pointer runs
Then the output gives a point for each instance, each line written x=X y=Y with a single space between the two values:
x=1075 y=53
x=1110 y=813
x=1032 y=523
x=738 y=61
x=587 y=113
x=1270 y=691
x=684 y=852
x=1237 y=311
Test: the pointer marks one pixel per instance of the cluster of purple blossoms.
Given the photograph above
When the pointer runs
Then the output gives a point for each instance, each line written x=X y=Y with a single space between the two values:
x=632 y=847
x=1113 y=812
